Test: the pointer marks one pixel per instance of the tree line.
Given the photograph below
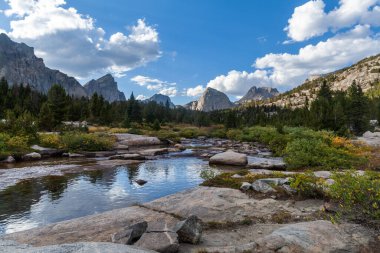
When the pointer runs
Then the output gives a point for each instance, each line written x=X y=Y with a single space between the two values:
x=345 y=112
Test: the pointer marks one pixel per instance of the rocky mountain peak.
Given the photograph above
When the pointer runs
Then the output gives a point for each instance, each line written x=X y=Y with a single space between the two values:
x=259 y=93
x=19 y=65
x=160 y=99
x=211 y=100
x=105 y=86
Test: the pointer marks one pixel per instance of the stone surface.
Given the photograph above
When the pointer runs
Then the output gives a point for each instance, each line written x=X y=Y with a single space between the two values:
x=19 y=65
x=141 y=181
x=371 y=139
x=323 y=174
x=154 y=152
x=211 y=100
x=47 y=152
x=258 y=93
x=75 y=155
x=180 y=147
x=131 y=234
x=229 y=158
x=266 y=163
x=9 y=159
x=137 y=140
x=318 y=236
x=189 y=230
x=221 y=205
x=261 y=186
x=105 y=86
x=275 y=181
x=93 y=228
x=97 y=154
x=31 y=157
x=81 y=247
x=163 y=242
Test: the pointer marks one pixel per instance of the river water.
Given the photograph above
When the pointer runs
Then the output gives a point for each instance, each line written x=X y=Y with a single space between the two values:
x=44 y=200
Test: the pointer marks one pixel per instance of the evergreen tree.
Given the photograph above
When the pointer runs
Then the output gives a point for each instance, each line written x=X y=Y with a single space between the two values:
x=46 y=117
x=57 y=104
x=358 y=111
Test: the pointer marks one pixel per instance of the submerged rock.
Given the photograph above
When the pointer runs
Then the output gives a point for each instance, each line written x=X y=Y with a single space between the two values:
x=141 y=181
x=189 y=230
x=127 y=157
x=229 y=158
x=47 y=152
x=9 y=159
x=137 y=140
x=154 y=152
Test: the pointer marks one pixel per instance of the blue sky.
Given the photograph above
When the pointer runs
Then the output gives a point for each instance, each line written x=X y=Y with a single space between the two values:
x=179 y=47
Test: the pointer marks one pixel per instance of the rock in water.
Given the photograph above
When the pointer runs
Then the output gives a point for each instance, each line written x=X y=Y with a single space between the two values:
x=131 y=234
x=32 y=156
x=189 y=230
x=106 y=87
x=211 y=100
x=229 y=158
x=19 y=65
x=141 y=181
x=163 y=242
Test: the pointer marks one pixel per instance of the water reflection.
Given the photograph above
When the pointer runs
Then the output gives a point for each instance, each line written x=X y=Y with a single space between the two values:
x=51 y=199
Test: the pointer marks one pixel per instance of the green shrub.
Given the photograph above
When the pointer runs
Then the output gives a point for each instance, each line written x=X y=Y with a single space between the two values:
x=218 y=133
x=50 y=140
x=76 y=141
x=307 y=185
x=234 y=134
x=135 y=131
x=192 y=133
x=357 y=193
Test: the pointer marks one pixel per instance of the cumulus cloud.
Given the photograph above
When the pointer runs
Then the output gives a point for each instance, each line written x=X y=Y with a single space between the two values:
x=345 y=47
x=195 y=92
x=310 y=19
x=162 y=87
x=71 y=42
x=141 y=97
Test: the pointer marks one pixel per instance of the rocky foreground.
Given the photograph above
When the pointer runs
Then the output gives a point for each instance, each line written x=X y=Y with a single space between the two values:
x=231 y=221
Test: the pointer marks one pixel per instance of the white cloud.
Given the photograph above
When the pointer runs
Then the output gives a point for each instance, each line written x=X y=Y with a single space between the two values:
x=141 y=97
x=345 y=47
x=162 y=87
x=72 y=42
x=195 y=92
x=310 y=19
x=238 y=82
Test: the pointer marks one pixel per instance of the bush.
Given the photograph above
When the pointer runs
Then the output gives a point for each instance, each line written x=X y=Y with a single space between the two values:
x=234 y=134
x=218 y=133
x=192 y=133
x=50 y=140
x=357 y=193
x=307 y=185
x=76 y=141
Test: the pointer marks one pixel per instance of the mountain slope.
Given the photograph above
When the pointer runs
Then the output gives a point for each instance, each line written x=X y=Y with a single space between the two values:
x=19 y=65
x=258 y=93
x=211 y=100
x=105 y=86
x=160 y=99
x=366 y=73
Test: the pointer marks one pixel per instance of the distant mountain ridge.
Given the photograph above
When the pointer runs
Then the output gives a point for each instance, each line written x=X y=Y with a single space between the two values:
x=19 y=65
x=211 y=100
x=366 y=73
x=160 y=99
x=258 y=93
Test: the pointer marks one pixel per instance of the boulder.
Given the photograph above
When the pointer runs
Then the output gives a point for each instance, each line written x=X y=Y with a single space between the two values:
x=154 y=152
x=127 y=157
x=180 y=147
x=229 y=158
x=274 y=163
x=164 y=242
x=237 y=176
x=289 y=189
x=32 y=157
x=131 y=234
x=245 y=186
x=189 y=230
x=9 y=159
x=74 y=155
x=318 y=236
x=275 y=181
x=47 y=152
x=136 y=140
x=261 y=186
x=99 y=154
x=322 y=174
x=121 y=147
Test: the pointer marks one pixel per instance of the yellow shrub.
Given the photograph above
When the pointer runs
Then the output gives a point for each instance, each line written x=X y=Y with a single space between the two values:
x=50 y=140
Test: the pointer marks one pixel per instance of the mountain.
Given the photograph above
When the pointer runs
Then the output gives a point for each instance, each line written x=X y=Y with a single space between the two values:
x=105 y=86
x=19 y=65
x=211 y=100
x=160 y=99
x=258 y=93
x=366 y=73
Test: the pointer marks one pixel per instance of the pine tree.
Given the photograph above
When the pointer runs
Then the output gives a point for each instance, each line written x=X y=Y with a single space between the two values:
x=57 y=104
x=358 y=111
x=46 y=118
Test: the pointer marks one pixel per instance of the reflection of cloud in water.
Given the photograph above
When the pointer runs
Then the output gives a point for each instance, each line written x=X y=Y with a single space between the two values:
x=20 y=225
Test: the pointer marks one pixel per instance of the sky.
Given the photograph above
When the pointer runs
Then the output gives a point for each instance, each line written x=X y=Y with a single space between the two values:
x=180 y=47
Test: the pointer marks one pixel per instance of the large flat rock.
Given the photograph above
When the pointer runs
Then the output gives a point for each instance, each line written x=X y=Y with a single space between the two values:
x=229 y=158
x=81 y=247
x=94 y=228
x=137 y=140
x=222 y=205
